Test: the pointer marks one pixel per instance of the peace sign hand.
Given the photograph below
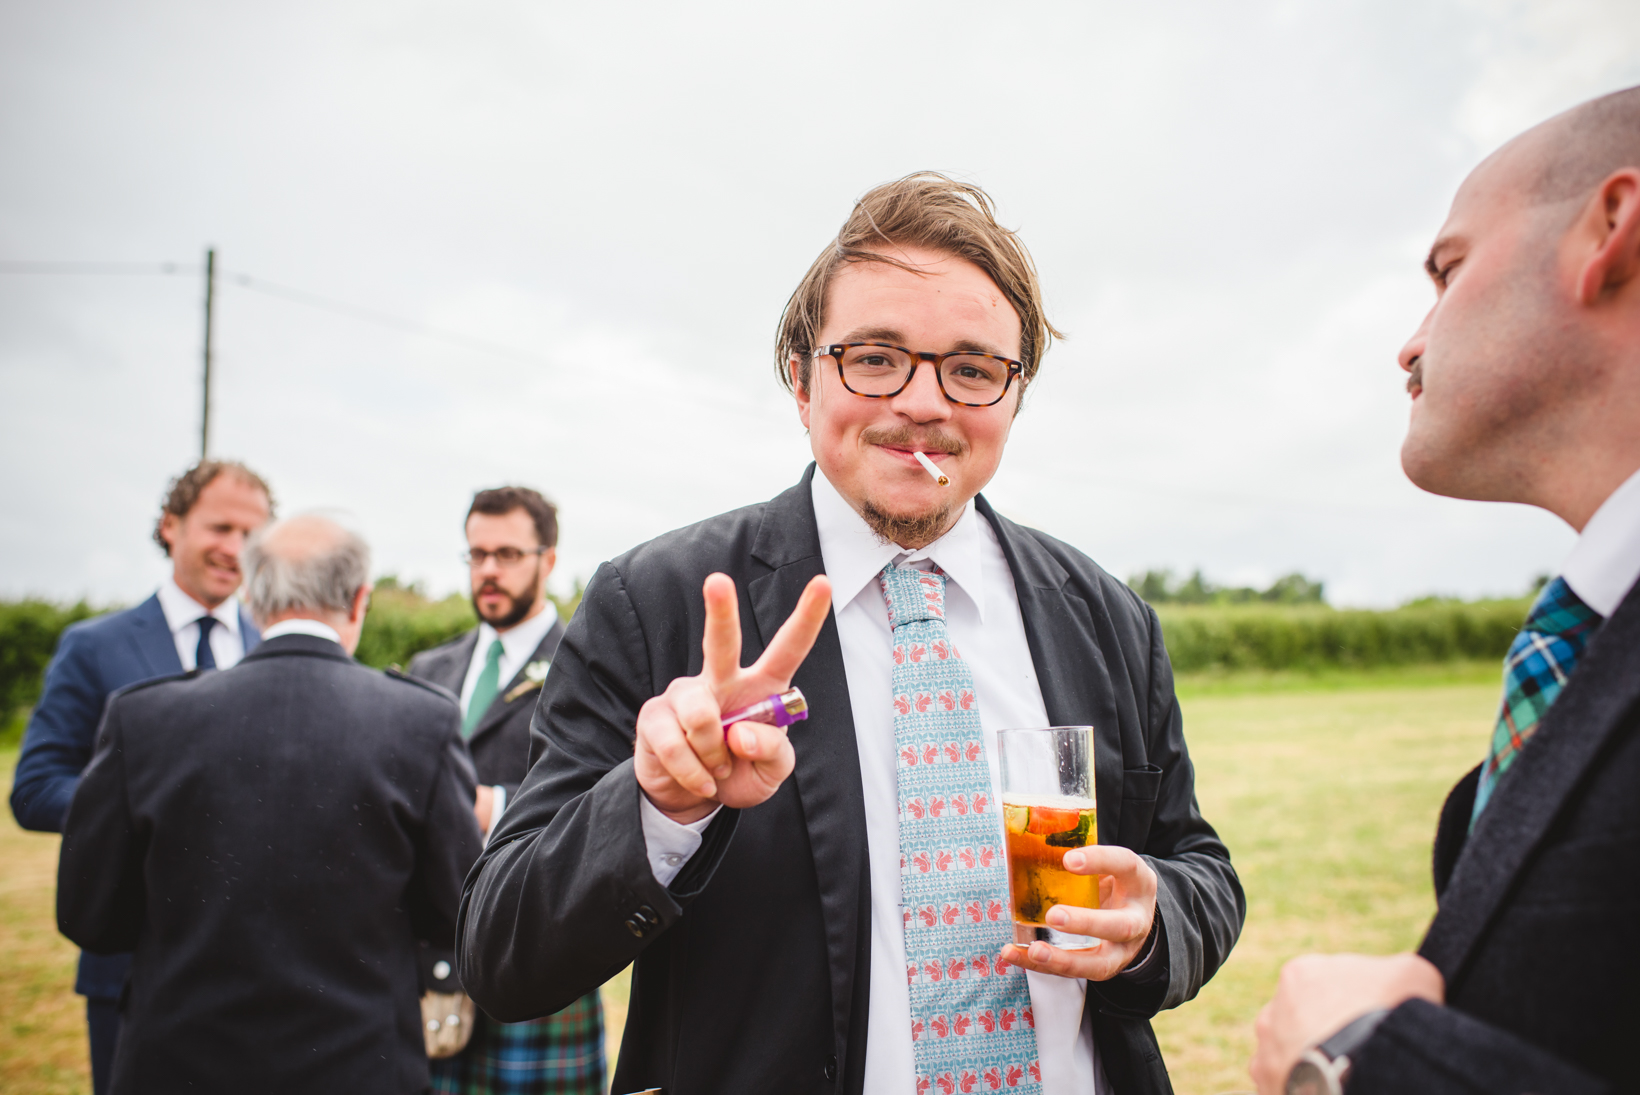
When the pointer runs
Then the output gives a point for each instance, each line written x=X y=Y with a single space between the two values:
x=685 y=763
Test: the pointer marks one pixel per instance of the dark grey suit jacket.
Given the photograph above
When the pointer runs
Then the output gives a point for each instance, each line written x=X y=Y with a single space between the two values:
x=752 y=968
x=500 y=743
x=271 y=840
x=1536 y=932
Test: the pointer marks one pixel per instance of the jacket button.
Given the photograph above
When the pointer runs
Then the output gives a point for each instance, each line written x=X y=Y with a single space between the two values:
x=633 y=926
x=647 y=915
x=831 y=1066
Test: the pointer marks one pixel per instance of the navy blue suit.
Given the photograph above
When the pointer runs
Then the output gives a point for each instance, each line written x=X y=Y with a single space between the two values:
x=94 y=658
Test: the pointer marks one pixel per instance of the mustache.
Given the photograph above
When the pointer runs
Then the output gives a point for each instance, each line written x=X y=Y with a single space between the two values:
x=1415 y=376
x=928 y=439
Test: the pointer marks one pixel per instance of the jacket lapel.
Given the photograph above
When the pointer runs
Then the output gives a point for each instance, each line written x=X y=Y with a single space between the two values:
x=151 y=637
x=828 y=760
x=1602 y=690
x=1070 y=664
x=516 y=691
x=450 y=670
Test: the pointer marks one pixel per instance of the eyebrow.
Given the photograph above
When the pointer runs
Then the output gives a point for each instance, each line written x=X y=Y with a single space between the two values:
x=1431 y=267
x=889 y=334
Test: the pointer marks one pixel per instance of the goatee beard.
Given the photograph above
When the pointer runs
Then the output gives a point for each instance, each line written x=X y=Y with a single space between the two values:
x=907 y=532
x=520 y=605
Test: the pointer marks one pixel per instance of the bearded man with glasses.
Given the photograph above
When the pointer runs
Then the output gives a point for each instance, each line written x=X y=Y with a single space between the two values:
x=797 y=922
x=496 y=670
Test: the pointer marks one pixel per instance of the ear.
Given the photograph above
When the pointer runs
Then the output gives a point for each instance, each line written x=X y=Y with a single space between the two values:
x=549 y=559
x=1614 y=217
x=794 y=365
x=169 y=526
x=361 y=605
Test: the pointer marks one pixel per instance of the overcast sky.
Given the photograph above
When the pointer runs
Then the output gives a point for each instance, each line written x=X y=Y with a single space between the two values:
x=1229 y=204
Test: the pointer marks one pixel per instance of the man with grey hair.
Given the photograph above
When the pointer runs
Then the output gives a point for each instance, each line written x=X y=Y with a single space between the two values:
x=272 y=840
x=1525 y=385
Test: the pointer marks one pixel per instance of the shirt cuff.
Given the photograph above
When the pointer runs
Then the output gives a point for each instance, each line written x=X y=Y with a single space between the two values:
x=1138 y=969
x=670 y=843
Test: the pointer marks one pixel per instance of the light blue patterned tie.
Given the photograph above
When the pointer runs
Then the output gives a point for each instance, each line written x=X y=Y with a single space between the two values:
x=972 y=1028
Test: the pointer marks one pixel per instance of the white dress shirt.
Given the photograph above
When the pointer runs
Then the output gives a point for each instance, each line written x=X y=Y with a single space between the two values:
x=517 y=644
x=300 y=626
x=1605 y=564
x=982 y=614
x=182 y=615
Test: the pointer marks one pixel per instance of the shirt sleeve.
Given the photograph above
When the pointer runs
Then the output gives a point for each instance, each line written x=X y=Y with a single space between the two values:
x=670 y=843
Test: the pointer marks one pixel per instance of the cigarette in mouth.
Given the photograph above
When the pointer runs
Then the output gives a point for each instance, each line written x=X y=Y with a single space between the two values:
x=933 y=470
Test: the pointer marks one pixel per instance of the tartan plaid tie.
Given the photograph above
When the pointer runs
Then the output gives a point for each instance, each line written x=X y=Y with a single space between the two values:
x=1540 y=660
x=972 y=1027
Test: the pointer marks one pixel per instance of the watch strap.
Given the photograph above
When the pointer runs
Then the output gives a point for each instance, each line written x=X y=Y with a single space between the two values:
x=1323 y=1069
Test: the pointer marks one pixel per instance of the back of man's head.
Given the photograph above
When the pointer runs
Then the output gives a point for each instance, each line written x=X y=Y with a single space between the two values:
x=929 y=210
x=306 y=565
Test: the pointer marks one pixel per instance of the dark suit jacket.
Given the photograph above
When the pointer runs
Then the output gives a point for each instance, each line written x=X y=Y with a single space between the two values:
x=1536 y=932
x=500 y=743
x=752 y=968
x=271 y=840
x=93 y=659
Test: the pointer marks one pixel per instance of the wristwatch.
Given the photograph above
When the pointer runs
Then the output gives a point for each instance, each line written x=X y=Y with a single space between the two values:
x=1323 y=1069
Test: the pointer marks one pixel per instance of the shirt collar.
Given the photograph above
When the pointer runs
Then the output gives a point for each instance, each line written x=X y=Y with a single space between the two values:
x=1604 y=565
x=181 y=610
x=854 y=555
x=521 y=640
x=300 y=626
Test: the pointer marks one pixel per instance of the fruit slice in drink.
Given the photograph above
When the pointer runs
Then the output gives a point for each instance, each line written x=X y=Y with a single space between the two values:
x=1041 y=829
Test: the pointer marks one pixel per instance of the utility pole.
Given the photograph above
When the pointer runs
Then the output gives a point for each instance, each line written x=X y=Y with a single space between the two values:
x=205 y=416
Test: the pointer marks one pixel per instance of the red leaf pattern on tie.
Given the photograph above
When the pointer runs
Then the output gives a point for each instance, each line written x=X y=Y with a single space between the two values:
x=953 y=885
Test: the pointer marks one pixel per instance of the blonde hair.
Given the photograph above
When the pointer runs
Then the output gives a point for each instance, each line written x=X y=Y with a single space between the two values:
x=924 y=209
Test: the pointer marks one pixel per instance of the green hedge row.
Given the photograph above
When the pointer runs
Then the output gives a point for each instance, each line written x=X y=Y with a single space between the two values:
x=401 y=623
x=1318 y=637
x=28 y=634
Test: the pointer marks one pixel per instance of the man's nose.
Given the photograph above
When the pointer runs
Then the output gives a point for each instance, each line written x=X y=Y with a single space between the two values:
x=921 y=400
x=1414 y=348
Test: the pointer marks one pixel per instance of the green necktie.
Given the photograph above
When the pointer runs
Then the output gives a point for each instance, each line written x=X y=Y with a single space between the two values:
x=488 y=684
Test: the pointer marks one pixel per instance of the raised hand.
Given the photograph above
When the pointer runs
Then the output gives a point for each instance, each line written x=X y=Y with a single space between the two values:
x=685 y=764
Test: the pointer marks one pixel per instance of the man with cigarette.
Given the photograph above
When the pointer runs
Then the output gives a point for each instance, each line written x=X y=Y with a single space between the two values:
x=1525 y=383
x=496 y=670
x=755 y=877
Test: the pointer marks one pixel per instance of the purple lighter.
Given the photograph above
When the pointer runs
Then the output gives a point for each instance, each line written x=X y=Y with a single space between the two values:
x=781 y=710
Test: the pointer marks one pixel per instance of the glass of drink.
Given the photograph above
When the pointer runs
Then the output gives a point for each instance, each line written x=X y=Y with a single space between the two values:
x=1049 y=806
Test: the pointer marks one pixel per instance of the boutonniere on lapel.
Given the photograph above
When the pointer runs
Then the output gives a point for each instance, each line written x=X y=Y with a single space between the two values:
x=535 y=674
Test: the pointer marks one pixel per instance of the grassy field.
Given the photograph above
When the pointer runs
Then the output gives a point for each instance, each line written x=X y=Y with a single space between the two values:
x=1324 y=786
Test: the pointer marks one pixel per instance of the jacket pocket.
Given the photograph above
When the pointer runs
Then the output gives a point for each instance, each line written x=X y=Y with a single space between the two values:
x=1140 y=787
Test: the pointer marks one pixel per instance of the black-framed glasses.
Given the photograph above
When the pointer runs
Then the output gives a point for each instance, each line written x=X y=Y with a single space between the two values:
x=879 y=370
x=507 y=556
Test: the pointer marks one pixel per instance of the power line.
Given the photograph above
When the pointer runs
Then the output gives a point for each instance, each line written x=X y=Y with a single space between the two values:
x=284 y=292
x=385 y=319
x=161 y=269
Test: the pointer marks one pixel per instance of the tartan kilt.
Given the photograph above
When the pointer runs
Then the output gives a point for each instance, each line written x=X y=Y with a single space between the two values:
x=561 y=1054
